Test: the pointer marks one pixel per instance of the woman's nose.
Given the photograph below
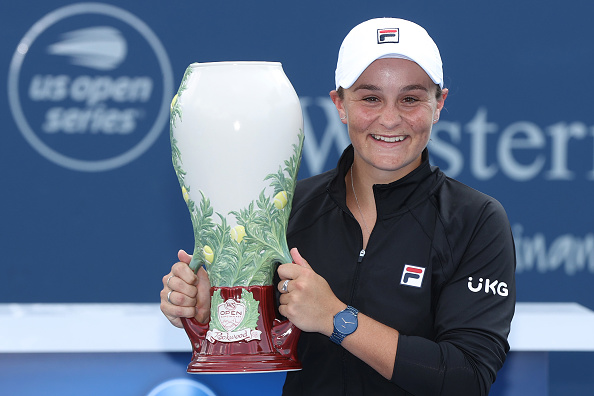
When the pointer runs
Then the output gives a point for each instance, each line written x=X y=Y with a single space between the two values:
x=390 y=117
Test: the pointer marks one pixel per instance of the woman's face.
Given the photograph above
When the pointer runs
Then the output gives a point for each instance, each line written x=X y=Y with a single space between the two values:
x=389 y=112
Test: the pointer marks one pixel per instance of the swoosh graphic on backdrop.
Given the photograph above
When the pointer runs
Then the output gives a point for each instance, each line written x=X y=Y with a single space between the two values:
x=101 y=47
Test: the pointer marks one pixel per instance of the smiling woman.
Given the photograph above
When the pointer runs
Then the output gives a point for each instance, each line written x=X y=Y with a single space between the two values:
x=388 y=245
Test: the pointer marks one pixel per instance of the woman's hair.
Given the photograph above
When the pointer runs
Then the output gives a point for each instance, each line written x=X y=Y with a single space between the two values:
x=438 y=93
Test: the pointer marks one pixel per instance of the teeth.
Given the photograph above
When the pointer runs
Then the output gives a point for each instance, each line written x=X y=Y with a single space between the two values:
x=389 y=139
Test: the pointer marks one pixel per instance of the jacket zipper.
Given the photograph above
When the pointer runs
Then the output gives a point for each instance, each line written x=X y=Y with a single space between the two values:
x=356 y=278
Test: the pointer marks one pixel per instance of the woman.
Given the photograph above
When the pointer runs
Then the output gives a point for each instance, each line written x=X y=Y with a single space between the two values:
x=408 y=287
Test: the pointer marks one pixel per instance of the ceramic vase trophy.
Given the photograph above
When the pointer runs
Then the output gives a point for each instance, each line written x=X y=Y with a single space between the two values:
x=236 y=138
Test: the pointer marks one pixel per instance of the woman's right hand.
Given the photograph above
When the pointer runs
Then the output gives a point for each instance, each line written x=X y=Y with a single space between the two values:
x=185 y=294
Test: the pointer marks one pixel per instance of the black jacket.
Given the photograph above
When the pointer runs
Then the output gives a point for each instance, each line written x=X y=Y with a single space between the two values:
x=453 y=327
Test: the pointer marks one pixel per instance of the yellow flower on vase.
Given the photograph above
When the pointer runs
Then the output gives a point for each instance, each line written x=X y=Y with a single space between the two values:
x=173 y=101
x=237 y=233
x=185 y=194
x=280 y=200
x=208 y=254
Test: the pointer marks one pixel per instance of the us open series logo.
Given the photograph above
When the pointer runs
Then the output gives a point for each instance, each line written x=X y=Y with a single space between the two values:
x=89 y=87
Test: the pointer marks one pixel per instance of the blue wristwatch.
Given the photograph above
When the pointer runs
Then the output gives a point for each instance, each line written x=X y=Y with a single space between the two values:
x=345 y=323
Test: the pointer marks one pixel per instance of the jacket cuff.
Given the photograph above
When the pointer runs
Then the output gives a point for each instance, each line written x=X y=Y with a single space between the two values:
x=417 y=366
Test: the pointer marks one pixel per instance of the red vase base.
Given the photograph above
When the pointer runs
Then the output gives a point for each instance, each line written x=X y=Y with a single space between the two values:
x=241 y=364
x=274 y=350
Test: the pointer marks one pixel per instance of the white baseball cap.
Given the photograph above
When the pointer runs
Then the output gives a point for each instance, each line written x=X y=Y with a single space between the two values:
x=386 y=38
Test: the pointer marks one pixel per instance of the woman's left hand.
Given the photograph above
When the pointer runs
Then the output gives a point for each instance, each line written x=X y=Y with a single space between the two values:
x=308 y=301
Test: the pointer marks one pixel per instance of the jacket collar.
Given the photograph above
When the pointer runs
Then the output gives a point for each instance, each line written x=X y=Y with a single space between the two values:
x=392 y=198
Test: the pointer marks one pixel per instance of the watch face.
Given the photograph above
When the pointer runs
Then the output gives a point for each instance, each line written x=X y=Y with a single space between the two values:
x=345 y=322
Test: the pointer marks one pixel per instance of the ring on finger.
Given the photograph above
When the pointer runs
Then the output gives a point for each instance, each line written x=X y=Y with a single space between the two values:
x=168 y=297
x=168 y=279
x=285 y=286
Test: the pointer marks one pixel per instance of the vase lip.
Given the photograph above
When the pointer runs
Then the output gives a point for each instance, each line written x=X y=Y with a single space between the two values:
x=235 y=63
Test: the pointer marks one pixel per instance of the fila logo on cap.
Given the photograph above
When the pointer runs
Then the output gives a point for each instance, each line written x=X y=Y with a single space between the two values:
x=387 y=36
x=412 y=276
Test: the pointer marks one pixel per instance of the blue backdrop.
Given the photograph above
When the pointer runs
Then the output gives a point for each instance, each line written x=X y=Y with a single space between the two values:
x=90 y=205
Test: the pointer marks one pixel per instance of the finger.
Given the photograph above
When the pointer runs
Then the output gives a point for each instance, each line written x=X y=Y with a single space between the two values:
x=203 y=276
x=184 y=257
x=178 y=286
x=174 y=312
x=168 y=280
x=203 y=289
x=182 y=270
x=288 y=271
x=282 y=309
x=283 y=305
x=172 y=297
x=297 y=259
x=283 y=286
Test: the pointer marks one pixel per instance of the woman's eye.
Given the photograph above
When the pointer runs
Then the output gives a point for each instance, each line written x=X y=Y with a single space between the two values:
x=371 y=99
x=409 y=99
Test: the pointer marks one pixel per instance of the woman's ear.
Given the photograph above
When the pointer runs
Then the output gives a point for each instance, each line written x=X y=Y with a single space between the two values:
x=440 y=104
x=338 y=102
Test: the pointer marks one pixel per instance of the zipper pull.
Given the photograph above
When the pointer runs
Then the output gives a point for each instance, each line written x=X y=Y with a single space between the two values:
x=361 y=255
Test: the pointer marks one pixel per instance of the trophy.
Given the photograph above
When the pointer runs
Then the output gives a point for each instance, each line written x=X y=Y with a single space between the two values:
x=236 y=139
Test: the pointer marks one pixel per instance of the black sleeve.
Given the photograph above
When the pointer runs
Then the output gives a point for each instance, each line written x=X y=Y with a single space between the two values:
x=472 y=319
